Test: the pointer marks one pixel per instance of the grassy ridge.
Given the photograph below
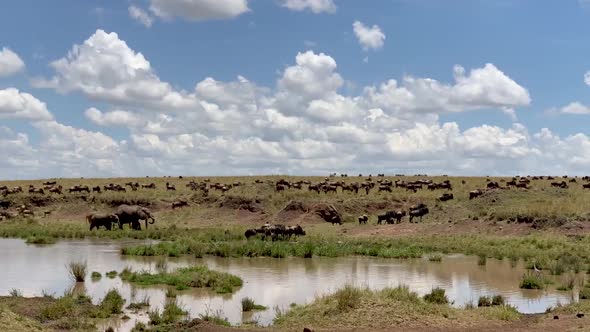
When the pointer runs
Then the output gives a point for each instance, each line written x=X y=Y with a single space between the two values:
x=362 y=308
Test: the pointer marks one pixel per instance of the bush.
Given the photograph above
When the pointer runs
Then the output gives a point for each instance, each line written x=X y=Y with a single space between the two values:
x=436 y=257
x=532 y=280
x=15 y=293
x=249 y=305
x=112 y=303
x=78 y=271
x=498 y=300
x=437 y=296
x=348 y=297
x=484 y=301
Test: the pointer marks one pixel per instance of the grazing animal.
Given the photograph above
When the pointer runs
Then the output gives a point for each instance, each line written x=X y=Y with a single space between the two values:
x=384 y=188
x=446 y=197
x=149 y=186
x=586 y=186
x=56 y=190
x=419 y=210
x=96 y=189
x=389 y=217
x=170 y=187
x=475 y=193
x=363 y=219
x=96 y=220
x=179 y=204
x=561 y=184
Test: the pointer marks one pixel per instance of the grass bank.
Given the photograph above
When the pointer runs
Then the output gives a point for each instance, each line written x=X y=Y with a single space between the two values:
x=362 y=309
x=185 y=278
x=541 y=250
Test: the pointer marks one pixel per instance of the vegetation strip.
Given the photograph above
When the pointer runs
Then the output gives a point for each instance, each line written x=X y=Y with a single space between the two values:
x=185 y=278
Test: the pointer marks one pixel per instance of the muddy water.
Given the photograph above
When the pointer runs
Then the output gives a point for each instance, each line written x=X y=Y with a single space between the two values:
x=275 y=283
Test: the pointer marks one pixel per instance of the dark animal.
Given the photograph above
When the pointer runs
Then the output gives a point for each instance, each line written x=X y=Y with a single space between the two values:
x=179 y=204
x=363 y=219
x=561 y=184
x=96 y=189
x=389 y=217
x=446 y=197
x=419 y=210
x=133 y=214
x=475 y=193
x=95 y=220
x=170 y=187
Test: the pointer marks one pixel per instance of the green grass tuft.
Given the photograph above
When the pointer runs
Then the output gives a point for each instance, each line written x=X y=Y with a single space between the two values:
x=249 y=305
x=437 y=296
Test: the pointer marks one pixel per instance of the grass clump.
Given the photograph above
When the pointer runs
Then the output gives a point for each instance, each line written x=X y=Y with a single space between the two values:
x=249 y=305
x=15 y=293
x=215 y=318
x=111 y=304
x=172 y=313
x=482 y=260
x=111 y=274
x=189 y=277
x=532 y=280
x=437 y=296
x=95 y=275
x=498 y=300
x=170 y=293
x=502 y=312
x=484 y=301
x=40 y=239
x=77 y=271
x=348 y=297
x=145 y=302
x=436 y=257
x=585 y=293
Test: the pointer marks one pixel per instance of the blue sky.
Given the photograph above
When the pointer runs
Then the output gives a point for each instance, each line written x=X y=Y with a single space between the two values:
x=540 y=46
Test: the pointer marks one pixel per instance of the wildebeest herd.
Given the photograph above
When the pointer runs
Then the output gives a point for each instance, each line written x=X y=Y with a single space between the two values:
x=380 y=185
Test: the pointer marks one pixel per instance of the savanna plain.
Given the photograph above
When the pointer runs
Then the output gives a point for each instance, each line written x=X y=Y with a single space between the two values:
x=538 y=223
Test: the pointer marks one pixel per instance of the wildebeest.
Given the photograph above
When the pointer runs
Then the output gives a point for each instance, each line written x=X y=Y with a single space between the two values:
x=561 y=184
x=96 y=220
x=384 y=188
x=149 y=186
x=419 y=210
x=446 y=197
x=170 y=187
x=79 y=189
x=389 y=217
x=179 y=204
x=363 y=219
x=275 y=231
x=475 y=193
x=96 y=189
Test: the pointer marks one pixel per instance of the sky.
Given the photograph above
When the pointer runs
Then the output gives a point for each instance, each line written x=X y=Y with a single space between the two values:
x=304 y=87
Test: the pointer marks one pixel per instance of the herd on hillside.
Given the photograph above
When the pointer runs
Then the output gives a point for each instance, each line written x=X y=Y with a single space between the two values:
x=133 y=215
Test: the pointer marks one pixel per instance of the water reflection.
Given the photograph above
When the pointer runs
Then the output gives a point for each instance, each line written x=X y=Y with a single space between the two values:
x=270 y=282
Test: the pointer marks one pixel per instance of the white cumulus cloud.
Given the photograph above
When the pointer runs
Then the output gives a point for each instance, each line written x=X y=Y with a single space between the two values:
x=315 y=6
x=10 y=62
x=369 y=37
x=21 y=105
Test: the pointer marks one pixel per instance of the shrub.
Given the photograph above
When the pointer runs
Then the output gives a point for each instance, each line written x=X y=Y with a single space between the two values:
x=249 y=305
x=15 y=293
x=78 y=271
x=498 y=300
x=348 y=297
x=484 y=301
x=437 y=296
x=482 y=260
x=112 y=303
x=532 y=280
x=436 y=257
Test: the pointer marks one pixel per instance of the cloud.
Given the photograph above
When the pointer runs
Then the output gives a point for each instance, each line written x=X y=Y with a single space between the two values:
x=10 y=62
x=20 y=105
x=369 y=37
x=104 y=68
x=316 y=6
x=199 y=10
x=115 y=118
x=140 y=16
x=573 y=108
x=303 y=124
